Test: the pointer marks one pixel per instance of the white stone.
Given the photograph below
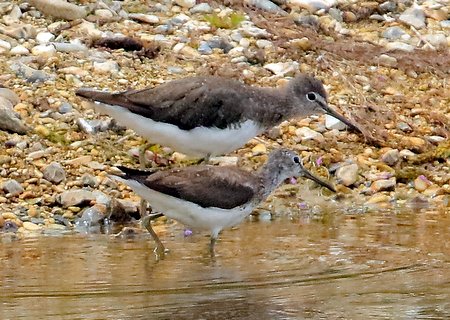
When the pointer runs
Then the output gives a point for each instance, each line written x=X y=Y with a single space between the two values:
x=104 y=13
x=20 y=50
x=413 y=16
x=43 y=50
x=312 y=5
x=185 y=3
x=347 y=174
x=106 y=67
x=44 y=37
x=178 y=47
x=5 y=45
x=392 y=46
x=305 y=134
x=333 y=123
x=262 y=44
x=283 y=68
x=147 y=18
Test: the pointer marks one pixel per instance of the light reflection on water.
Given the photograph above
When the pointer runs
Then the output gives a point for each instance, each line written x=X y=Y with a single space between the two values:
x=376 y=265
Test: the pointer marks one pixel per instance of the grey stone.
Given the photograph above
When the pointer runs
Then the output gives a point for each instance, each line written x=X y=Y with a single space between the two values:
x=397 y=45
x=403 y=126
x=12 y=187
x=65 y=108
x=19 y=31
x=266 y=5
x=60 y=9
x=391 y=157
x=347 y=174
x=30 y=74
x=10 y=95
x=54 y=172
x=413 y=16
x=393 y=33
x=75 y=197
x=204 y=48
x=9 y=120
x=437 y=40
x=388 y=6
x=89 y=180
x=336 y=14
x=201 y=8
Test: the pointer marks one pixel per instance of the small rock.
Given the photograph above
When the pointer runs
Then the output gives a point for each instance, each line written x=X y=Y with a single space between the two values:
x=347 y=174
x=391 y=157
x=59 y=9
x=79 y=161
x=266 y=5
x=44 y=50
x=106 y=67
x=201 y=8
x=259 y=149
x=392 y=46
x=9 y=95
x=383 y=185
x=283 y=68
x=30 y=74
x=5 y=46
x=302 y=43
x=12 y=187
x=185 y=3
x=414 y=143
x=104 y=13
x=44 y=37
x=9 y=120
x=312 y=5
x=146 y=18
x=22 y=31
x=75 y=197
x=386 y=61
x=30 y=226
x=413 y=16
x=204 y=48
x=333 y=123
x=437 y=40
x=20 y=50
x=89 y=180
x=72 y=46
x=421 y=183
x=403 y=126
x=54 y=172
x=65 y=108
x=378 y=198
x=305 y=134
x=252 y=31
x=91 y=217
x=388 y=6
x=393 y=33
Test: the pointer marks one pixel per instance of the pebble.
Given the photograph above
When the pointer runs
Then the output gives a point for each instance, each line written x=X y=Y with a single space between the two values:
x=312 y=5
x=5 y=46
x=54 y=172
x=9 y=95
x=333 y=123
x=44 y=37
x=89 y=180
x=12 y=187
x=386 y=60
x=437 y=40
x=30 y=74
x=22 y=31
x=9 y=120
x=266 y=5
x=392 y=46
x=106 y=67
x=421 y=183
x=185 y=3
x=393 y=33
x=75 y=197
x=255 y=32
x=20 y=50
x=44 y=50
x=60 y=9
x=146 y=18
x=414 y=17
x=383 y=185
x=72 y=46
x=30 y=226
x=201 y=8
x=259 y=149
x=305 y=134
x=378 y=198
x=347 y=174
x=283 y=68
x=391 y=157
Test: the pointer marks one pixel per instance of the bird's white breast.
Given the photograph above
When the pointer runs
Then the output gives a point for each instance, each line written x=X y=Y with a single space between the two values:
x=197 y=142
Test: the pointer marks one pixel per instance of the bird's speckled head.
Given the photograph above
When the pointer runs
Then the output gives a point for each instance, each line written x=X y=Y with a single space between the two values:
x=285 y=163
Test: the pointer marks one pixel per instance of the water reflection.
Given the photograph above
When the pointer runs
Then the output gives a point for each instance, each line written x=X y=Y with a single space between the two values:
x=388 y=264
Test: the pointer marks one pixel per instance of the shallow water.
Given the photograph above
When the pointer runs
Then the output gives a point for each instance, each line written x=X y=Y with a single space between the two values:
x=379 y=265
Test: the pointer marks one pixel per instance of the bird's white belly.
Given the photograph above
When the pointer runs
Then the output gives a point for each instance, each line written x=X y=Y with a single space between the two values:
x=188 y=213
x=197 y=142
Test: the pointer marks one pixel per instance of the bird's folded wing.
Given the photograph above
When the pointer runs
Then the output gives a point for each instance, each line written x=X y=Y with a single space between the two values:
x=224 y=188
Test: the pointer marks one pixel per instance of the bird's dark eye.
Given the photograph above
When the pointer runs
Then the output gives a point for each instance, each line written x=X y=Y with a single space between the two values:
x=296 y=159
x=311 y=96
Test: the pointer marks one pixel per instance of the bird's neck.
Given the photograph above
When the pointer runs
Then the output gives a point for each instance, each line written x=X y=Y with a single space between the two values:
x=270 y=178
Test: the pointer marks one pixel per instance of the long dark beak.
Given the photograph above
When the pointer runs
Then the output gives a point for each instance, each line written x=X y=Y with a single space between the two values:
x=312 y=177
x=326 y=108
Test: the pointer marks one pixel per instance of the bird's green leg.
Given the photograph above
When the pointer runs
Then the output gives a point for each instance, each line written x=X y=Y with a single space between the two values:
x=146 y=219
x=159 y=250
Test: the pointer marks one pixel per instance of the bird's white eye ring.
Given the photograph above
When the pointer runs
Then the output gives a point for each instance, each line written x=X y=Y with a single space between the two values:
x=311 y=96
